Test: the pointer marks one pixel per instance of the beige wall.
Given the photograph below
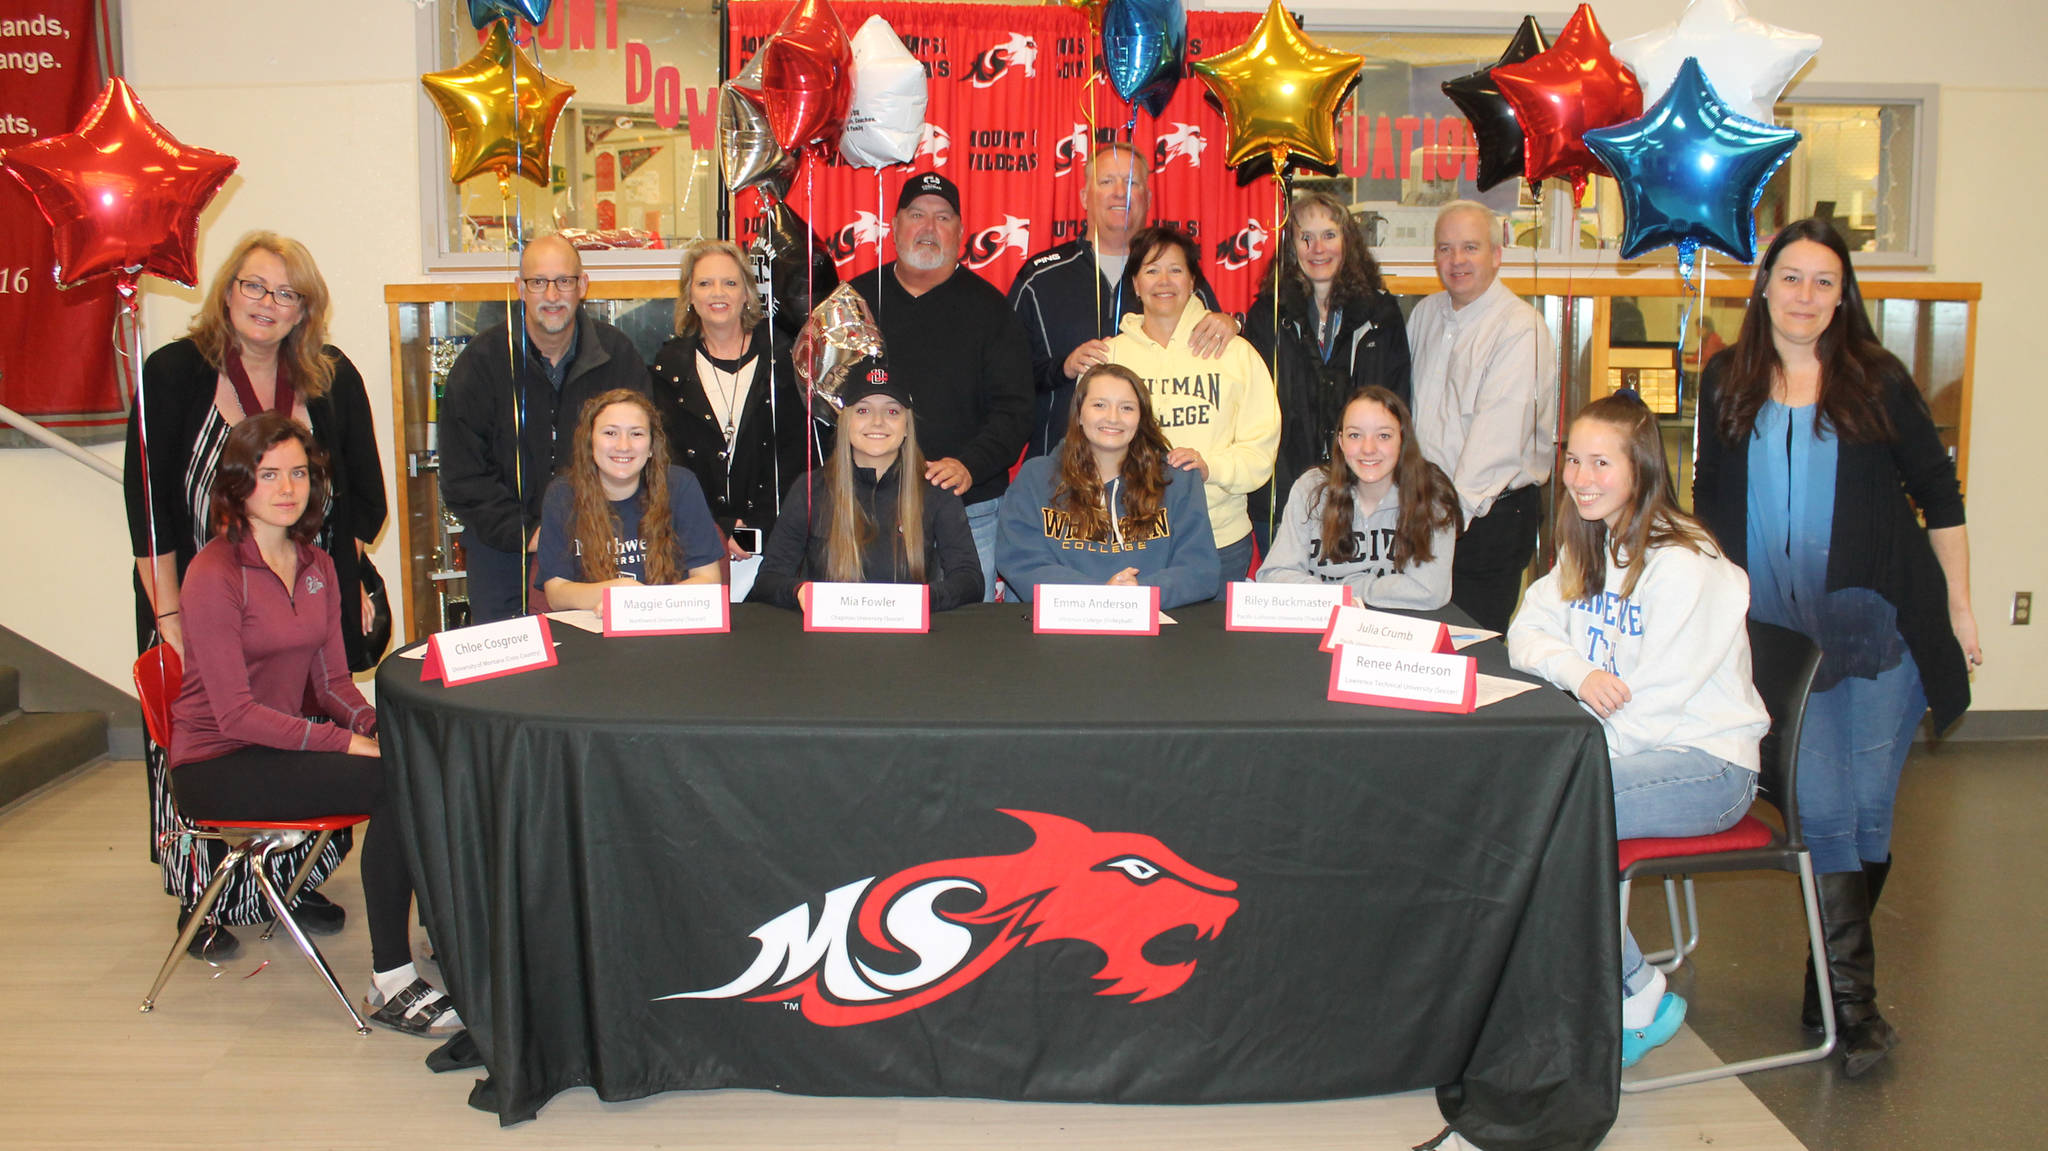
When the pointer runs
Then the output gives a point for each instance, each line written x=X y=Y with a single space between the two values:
x=322 y=109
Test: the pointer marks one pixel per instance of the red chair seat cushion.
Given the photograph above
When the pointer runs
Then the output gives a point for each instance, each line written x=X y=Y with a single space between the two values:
x=1750 y=833
x=324 y=823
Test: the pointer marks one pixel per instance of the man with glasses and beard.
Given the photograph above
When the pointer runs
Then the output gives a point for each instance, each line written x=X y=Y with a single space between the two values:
x=509 y=414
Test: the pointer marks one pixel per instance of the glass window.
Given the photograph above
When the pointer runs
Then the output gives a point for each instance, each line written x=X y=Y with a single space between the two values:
x=635 y=161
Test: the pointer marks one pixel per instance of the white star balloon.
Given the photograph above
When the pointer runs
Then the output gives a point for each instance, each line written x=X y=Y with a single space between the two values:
x=1747 y=61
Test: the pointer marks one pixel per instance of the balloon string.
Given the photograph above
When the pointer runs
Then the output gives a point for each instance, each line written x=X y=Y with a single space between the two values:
x=128 y=348
x=515 y=354
x=1281 y=198
x=810 y=301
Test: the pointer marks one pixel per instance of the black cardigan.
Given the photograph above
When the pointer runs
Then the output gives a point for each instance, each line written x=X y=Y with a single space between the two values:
x=769 y=447
x=1371 y=347
x=795 y=553
x=178 y=387
x=1876 y=541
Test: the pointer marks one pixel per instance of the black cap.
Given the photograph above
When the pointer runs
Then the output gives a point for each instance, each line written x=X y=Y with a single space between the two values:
x=870 y=377
x=928 y=184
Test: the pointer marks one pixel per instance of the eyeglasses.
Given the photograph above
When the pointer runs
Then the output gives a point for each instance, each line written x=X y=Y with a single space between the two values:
x=257 y=289
x=539 y=284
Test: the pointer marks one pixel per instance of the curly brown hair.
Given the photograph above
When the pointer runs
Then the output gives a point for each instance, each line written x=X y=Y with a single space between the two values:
x=234 y=477
x=1429 y=503
x=1077 y=490
x=593 y=526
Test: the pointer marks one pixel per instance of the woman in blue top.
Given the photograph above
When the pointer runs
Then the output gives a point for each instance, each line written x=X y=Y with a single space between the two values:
x=1812 y=439
x=1106 y=509
x=622 y=516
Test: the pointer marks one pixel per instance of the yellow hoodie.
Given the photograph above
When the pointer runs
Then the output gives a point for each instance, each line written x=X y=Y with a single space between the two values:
x=1223 y=408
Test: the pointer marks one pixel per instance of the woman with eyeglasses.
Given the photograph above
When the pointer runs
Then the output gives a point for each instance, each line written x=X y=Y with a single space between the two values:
x=258 y=344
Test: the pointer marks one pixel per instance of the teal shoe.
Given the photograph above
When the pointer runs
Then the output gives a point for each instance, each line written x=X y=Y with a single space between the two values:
x=1638 y=1042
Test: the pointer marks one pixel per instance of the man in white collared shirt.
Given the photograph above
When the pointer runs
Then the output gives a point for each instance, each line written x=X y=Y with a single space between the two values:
x=1485 y=388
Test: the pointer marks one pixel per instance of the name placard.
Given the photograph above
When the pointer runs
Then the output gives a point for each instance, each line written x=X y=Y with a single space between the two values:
x=893 y=607
x=1283 y=606
x=488 y=650
x=1364 y=627
x=666 y=609
x=1094 y=609
x=1416 y=680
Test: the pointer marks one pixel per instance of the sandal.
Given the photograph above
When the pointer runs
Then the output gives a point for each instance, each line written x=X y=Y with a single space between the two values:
x=420 y=1009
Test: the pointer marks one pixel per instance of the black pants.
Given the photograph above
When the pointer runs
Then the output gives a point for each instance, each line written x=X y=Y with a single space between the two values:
x=264 y=783
x=1486 y=570
x=493 y=582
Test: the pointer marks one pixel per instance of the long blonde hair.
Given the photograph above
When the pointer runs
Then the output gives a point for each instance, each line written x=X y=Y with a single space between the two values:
x=848 y=529
x=305 y=347
x=687 y=323
x=592 y=524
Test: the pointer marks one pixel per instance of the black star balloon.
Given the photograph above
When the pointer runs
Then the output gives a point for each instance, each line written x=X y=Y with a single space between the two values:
x=1492 y=117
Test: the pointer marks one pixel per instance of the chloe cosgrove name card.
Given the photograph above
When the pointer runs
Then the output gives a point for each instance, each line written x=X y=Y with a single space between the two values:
x=887 y=607
x=1306 y=608
x=1094 y=609
x=666 y=609
x=488 y=650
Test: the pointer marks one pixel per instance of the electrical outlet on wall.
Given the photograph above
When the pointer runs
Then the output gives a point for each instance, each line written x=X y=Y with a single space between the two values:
x=2022 y=607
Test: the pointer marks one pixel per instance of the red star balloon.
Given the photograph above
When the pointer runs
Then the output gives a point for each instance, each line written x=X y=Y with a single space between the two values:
x=500 y=109
x=122 y=195
x=1561 y=94
x=807 y=77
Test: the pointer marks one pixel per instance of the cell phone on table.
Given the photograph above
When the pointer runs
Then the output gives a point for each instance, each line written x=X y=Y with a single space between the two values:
x=748 y=538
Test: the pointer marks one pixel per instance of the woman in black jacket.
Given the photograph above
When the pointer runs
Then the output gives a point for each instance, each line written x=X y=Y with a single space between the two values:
x=1334 y=329
x=1811 y=424
x=712 y=384
x=869 y=515
x=258 y=344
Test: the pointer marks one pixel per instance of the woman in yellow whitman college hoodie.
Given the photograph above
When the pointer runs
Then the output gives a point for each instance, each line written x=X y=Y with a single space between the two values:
x=1220 y=414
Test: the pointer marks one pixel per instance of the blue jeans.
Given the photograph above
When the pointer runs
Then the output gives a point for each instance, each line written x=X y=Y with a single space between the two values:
x=981 y=521
x=1852 y=750
x=1668 y=793
x=1237 y=562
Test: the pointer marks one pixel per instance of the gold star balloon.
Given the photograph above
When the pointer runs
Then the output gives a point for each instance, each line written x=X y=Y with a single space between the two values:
x=501 y=111
x=1280 y=92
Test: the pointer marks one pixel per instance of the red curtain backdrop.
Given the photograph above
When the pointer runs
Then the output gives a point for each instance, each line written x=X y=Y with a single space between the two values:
x=56 y=346
x=1008 y=121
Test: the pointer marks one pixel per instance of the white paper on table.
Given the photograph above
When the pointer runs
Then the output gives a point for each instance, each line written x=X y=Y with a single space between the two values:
x=587 y=620
x=1464 y=637
x=743 y=573
x=1165 y=619
x=419 y=652
x=1494 y=688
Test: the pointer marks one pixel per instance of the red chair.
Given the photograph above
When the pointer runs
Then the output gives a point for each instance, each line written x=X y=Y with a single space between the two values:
x=158 y=676
x=1782 y=664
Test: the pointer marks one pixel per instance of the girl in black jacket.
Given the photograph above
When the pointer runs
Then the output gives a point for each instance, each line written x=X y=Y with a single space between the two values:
x=868 y=515
x=1335 y=329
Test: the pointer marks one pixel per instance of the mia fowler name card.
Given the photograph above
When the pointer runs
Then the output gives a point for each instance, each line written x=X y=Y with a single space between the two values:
x=1094 y=609
x=488 y=650
x=1415 y=680
x=1364 y=627
x=885 y=607
x=666 y=609
x=1302 y=608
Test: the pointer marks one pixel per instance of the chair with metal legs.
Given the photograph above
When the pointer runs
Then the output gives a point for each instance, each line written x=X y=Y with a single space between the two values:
x=158 y=676
x=1782 y=665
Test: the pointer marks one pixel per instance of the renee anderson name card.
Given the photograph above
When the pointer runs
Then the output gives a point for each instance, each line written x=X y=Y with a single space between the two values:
x=1094 y=609
x=1416 y=680
x=887 y=607
x=1282 y=607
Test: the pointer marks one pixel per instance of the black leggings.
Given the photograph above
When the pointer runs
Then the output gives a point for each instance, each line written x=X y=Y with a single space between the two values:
x=264 y=783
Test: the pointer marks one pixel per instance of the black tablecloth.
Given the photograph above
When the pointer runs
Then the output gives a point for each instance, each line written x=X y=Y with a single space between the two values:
x=1370 y=900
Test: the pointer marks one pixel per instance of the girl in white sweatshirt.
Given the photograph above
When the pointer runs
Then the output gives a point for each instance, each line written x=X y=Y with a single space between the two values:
x=1643 y=620
x=1377 y=517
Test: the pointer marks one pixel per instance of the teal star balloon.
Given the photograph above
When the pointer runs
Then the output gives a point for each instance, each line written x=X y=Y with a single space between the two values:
x=534 y=12
x=1690 y=171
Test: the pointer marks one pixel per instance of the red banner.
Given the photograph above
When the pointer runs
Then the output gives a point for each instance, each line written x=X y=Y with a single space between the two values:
x=1012 y=103
x=56 y=345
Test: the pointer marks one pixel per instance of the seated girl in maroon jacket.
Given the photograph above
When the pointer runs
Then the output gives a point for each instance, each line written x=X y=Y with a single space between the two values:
x=262 y=637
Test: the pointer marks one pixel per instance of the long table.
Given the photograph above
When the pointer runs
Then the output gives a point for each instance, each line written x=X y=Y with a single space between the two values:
x=986 y=863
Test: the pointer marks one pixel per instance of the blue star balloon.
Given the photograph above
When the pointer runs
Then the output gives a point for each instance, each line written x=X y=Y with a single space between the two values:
x=1691 y=171
x=534 y=12
x=1143 y=45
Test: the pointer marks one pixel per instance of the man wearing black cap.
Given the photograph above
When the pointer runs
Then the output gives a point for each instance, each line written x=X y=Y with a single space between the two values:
x=955 y=346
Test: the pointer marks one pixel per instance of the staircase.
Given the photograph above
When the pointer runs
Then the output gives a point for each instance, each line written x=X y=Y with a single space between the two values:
x=37 y=747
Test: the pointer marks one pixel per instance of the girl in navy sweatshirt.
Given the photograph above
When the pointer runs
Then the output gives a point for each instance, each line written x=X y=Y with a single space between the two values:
x=1106 y=509
x=1644 y=621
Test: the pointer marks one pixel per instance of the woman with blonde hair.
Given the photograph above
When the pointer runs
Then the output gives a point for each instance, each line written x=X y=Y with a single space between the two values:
x=869 y=515
x=259 y=343
x=728 y=396
x=621 y=515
